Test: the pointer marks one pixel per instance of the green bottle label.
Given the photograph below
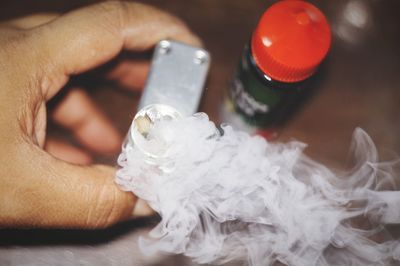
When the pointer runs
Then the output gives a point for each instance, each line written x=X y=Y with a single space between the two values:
x=255 y=97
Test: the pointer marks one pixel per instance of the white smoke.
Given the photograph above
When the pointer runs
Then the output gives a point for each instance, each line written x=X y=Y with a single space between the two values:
x=238 y=197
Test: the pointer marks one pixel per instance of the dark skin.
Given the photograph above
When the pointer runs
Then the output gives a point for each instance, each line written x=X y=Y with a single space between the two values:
x=39 y=186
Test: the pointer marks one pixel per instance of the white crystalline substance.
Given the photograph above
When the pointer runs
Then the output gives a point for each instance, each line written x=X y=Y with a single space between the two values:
x=237 y=197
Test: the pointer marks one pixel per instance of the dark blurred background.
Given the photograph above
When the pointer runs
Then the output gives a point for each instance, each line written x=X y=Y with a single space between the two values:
x=360 y=88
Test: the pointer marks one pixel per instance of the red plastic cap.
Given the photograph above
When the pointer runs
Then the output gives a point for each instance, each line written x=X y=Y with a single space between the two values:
x=291 y=40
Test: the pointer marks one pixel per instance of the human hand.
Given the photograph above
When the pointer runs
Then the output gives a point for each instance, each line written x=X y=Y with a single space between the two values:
x=38 y=54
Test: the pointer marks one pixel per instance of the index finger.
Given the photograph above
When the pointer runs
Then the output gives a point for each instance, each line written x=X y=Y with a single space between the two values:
x=88 y=37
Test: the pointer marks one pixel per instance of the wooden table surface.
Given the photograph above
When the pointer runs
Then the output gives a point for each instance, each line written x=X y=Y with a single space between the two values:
x=360 y=87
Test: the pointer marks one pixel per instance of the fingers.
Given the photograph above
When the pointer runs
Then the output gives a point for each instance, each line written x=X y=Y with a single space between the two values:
x=89 y=125
x=47 y=192
x=31 y=21
x=37 y=189
x=142 y=209
x=90 y=36
x=130 y=74
x=67 y=152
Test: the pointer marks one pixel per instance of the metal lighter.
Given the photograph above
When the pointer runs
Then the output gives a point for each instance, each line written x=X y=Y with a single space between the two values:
x=173 y=89
x=177 y=76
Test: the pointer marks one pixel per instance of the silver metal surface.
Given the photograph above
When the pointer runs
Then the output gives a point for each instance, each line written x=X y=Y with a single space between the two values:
x=177 y=76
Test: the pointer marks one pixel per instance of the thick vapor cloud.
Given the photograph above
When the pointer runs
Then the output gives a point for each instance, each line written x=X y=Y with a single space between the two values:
x=230 y=196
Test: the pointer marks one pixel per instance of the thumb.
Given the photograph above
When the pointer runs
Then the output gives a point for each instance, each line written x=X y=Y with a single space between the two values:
x=56 y=194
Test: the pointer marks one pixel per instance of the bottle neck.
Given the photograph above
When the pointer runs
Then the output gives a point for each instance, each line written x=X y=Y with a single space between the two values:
x=267 y=80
